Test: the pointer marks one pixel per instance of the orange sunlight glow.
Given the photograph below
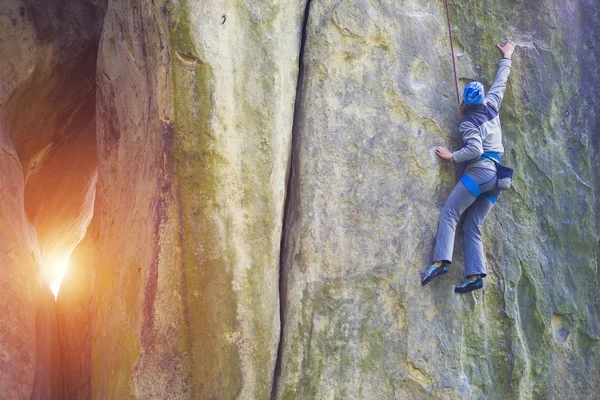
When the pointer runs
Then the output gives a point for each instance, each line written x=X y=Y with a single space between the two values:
x=60 y=267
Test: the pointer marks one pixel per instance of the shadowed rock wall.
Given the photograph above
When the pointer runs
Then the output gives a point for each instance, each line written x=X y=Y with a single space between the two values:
x=47 y=175
x=30 y=358
x=48 y=104
x=20 y=286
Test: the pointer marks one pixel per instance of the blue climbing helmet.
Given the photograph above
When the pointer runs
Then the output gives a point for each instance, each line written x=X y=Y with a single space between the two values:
x=473 y=94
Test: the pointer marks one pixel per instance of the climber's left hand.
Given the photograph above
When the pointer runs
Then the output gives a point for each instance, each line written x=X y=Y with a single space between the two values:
x=443 y=153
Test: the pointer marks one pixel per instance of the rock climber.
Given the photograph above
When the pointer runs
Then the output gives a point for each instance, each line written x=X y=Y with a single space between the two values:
x=476 y=192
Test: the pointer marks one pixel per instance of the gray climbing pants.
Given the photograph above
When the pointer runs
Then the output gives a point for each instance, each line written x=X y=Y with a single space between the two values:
x=475 y=211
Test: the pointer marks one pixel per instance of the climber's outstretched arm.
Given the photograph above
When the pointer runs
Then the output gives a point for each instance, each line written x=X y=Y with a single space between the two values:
x=496 y=92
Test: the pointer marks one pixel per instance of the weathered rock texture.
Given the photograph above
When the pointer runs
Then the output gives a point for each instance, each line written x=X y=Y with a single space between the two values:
x=194 y=107
x=199 y=242
x=47 y=172
x=21 y=289
x=376 y=97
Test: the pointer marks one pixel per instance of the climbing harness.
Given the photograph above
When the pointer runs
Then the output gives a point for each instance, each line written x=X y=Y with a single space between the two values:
x=503 y=176
x=471 y=185
x=452 y=51
x=488 y=155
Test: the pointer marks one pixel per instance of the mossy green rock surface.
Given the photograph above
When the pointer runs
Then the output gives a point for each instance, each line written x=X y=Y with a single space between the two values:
x=203 y=106
x=195 y=108
x=376 y=97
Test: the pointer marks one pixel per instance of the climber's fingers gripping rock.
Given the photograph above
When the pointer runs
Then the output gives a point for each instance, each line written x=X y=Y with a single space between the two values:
x=507 y=49
x=443 y=153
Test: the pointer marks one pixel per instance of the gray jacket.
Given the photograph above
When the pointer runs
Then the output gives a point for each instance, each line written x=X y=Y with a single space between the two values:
x=480 y=127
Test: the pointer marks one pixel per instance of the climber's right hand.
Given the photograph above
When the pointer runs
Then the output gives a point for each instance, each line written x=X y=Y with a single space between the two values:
x=443 y=153
x=507 y=49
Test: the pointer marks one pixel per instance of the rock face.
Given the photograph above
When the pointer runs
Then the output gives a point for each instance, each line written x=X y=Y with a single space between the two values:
x=18 y=281
x=194 y=107
x=376 y=98
x=266 y=195
x=30 y=357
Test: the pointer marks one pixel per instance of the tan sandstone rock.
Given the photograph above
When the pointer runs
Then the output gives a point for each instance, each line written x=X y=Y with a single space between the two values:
x=199 y=242
x=195 y=108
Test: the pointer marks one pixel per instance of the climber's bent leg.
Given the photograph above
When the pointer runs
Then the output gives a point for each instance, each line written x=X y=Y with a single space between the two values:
x=457 y=203
x=472 y=235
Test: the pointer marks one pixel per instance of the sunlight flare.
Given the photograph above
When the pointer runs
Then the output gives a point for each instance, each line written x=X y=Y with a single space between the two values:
x=59 y=266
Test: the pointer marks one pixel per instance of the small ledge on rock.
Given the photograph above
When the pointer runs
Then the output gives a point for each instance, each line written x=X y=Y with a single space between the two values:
x=188 y=58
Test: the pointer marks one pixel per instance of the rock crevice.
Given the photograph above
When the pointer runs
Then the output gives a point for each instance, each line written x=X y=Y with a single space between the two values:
x=289 y=199
x=47 y=130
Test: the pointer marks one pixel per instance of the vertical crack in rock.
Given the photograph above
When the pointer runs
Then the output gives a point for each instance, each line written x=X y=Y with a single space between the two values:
x=290 y=200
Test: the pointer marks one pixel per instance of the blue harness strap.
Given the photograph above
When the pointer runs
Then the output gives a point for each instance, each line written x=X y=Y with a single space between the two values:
x=495 y=157
x=471 y=185
x=492 y=156
x=491 y=198
x=474 y=188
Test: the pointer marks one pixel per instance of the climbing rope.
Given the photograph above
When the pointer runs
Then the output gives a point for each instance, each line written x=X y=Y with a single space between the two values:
x=452 y=51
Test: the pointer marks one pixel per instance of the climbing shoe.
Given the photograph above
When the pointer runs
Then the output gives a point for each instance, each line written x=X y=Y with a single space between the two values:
x=432 y=272
x=469 y=285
